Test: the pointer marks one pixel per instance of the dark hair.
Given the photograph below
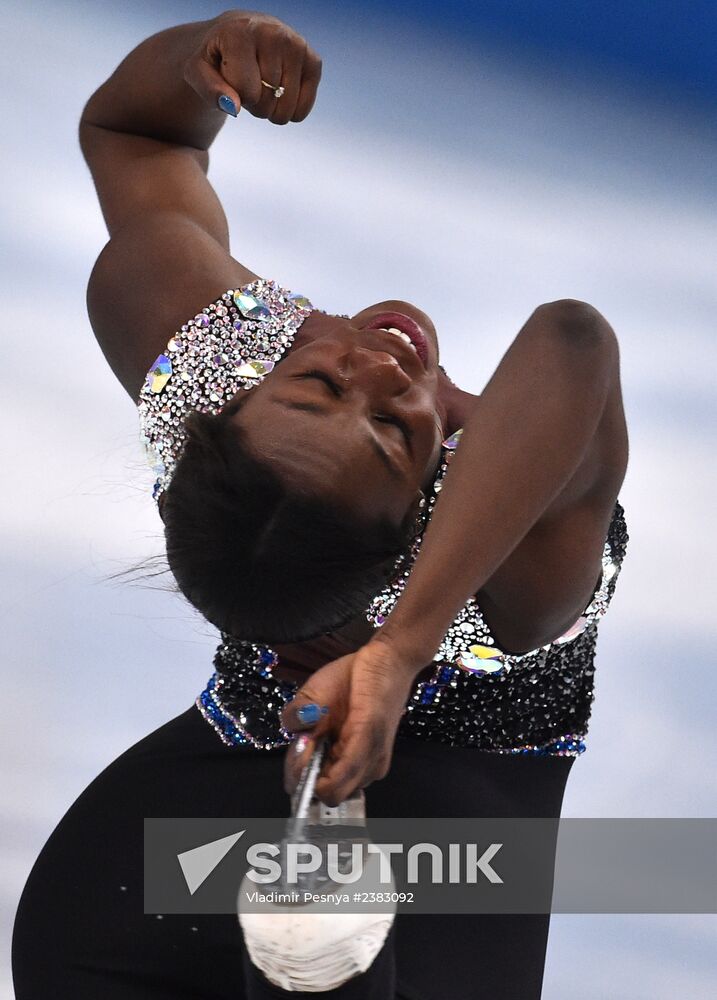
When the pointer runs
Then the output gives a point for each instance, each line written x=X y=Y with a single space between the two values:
x=259 y=560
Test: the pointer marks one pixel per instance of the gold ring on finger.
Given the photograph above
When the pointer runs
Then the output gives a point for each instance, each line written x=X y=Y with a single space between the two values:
x=278 y=91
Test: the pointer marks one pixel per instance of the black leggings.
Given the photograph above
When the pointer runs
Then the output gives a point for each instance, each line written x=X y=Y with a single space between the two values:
x=80 y=931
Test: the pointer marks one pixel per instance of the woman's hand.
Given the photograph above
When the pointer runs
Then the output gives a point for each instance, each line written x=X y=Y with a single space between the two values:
x=241 y=48
x=365 y=694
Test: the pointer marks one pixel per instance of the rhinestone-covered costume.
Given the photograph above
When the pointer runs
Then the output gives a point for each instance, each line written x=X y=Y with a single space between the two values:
x=537 y=703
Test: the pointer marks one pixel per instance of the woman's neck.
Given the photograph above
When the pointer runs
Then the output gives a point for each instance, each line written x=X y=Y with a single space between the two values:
x=459 y=404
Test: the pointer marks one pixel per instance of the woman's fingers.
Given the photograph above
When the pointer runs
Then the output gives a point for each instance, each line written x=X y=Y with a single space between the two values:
x=240 y=69
x=320 y=703
x=310 y=721
x=279 y=56
x=244 y=48
x=352 y=704
x=297 y=757
x=304 y=713
x=291 y=82
x=270 y=65
x=205 y=79
x=311 y=76
x=352 y=764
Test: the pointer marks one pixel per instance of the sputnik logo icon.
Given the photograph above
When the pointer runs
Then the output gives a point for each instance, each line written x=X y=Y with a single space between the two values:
x=199 y=863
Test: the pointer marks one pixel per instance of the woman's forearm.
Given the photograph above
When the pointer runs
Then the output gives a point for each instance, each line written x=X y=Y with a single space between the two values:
x=528 y=436
x=147 y=94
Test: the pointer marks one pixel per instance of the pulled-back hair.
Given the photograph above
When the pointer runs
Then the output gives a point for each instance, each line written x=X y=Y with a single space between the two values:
x=259 y=560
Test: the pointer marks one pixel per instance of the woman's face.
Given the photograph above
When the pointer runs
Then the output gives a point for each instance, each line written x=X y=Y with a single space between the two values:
x=352 y=412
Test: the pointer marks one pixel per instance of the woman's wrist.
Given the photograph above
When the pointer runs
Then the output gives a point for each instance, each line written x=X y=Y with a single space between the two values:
x=407 y=652
x=148 y=94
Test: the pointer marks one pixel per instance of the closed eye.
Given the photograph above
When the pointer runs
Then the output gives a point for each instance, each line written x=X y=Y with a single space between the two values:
x=336 y=389
x=322 y=377
x=384 y=419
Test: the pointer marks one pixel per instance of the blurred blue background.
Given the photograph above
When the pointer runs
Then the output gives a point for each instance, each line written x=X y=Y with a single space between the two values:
x=477 y=159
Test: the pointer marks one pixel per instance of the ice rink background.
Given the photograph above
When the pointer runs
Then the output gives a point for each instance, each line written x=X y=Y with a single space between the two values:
x=474 y=168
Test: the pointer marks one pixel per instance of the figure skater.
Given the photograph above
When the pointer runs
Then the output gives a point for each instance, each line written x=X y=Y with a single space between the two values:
x=410 y=571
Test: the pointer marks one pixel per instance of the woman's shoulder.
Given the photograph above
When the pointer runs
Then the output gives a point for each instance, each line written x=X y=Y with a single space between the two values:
x=148 y=281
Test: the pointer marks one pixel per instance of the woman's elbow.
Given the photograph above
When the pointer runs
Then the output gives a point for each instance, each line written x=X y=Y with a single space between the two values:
x=577 y=323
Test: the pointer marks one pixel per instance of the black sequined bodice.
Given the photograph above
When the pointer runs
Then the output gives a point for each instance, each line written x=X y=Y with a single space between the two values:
x=541 y=704
x=538 y=703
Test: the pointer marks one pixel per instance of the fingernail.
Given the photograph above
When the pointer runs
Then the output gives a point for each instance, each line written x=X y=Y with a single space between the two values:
x=300 y=744
x=309 y=714
x=227 y=104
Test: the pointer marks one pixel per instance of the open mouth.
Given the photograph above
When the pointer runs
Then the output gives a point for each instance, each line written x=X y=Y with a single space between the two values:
x=405 y=329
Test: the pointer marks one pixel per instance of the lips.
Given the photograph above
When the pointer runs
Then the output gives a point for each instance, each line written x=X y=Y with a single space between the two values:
x=407 y=326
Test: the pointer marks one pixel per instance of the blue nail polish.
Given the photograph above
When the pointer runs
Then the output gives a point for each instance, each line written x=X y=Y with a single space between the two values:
x=227 y=104
x=309 y=714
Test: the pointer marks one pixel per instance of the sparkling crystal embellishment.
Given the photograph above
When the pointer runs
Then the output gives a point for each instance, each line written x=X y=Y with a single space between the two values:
x=480 y=659
x=451 y=443
x=251 y=307
x=301 y=301
x=159 y=374
x=255 y=369
x=228 y=346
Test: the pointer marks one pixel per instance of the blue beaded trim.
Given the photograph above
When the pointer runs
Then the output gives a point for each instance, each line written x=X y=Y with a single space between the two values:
x=570 y=745
x=232 y=729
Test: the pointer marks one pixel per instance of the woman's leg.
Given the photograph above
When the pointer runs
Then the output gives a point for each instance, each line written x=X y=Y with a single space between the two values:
x=469 y=956
x=80 y=930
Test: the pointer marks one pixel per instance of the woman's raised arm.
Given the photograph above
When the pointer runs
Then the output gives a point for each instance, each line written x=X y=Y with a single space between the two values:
x=145 y=134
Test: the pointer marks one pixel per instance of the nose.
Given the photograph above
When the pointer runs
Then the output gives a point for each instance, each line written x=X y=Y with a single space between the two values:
x=376 y=370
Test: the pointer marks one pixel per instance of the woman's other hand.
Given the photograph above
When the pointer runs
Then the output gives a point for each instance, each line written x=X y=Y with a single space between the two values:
x=240 y=49
x=359 y=700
